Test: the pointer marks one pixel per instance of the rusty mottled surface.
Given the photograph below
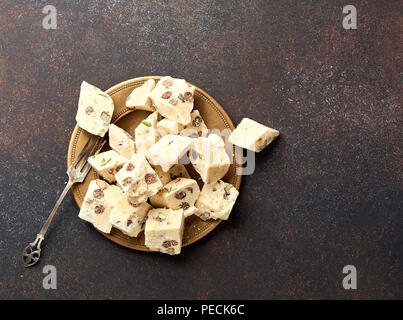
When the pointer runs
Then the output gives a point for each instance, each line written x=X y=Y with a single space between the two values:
x=328 y=193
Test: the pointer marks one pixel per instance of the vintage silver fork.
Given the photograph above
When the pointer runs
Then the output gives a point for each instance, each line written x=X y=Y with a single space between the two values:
x=32 y=252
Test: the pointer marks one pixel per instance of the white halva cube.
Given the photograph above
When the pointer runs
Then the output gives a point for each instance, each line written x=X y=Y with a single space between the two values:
x=139 y=98
x=173 y=99
x=95 y=110
x=168 y=150
x=164 y=230
x=146 y=133
x=216 y=200
x=98 y=203
x=121 y=141
x=107 y=164
x=138 y=179
x=176 y=171
x=209 y=158
x=180 y=193
x=252 y=135
x=129 y=217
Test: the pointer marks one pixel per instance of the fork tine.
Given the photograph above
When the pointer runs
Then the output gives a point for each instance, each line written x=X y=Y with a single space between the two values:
x=86 y=170
x=89 y=153
x=100 y=147
x=77 y=159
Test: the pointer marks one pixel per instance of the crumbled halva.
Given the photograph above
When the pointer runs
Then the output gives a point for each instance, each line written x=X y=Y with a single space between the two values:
x=190 y=211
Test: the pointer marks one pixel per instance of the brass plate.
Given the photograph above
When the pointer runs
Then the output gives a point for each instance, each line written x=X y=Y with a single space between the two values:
x=215 y=118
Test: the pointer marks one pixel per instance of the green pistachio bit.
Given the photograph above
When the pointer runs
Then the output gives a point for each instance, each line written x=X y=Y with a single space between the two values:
x=147 y=123
x=104 y=163
x=171 y=189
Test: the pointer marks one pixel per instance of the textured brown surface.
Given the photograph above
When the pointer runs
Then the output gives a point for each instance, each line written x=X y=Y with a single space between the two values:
x=328 y=193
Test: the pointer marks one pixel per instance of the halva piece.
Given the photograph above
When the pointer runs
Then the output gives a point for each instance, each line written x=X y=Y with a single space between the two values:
x=146 y=134
x=176 y=171
x=129 y=217
x=181 y=193
x=168 y=150
x=166 y=126
x=139 y=97
x=173 y=99
x=209 y=158
x=95 y=109
x=98 y=203
x=137 y=179
x=196 y=127
x=252 y=135
x=191 y=211
x=164 y=230
x=216 y=200
x=121 y=141
x=107 y=164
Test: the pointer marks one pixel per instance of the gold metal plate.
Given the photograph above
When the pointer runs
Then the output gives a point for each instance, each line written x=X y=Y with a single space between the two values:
x=215 y=118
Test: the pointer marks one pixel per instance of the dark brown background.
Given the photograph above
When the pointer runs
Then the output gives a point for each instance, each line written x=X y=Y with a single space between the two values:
x=328 y=193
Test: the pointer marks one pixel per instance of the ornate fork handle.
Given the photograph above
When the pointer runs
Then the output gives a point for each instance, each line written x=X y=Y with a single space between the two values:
x=32 y=252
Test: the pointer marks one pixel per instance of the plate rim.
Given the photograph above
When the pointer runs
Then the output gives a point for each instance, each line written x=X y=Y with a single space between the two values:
x=123 y=85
